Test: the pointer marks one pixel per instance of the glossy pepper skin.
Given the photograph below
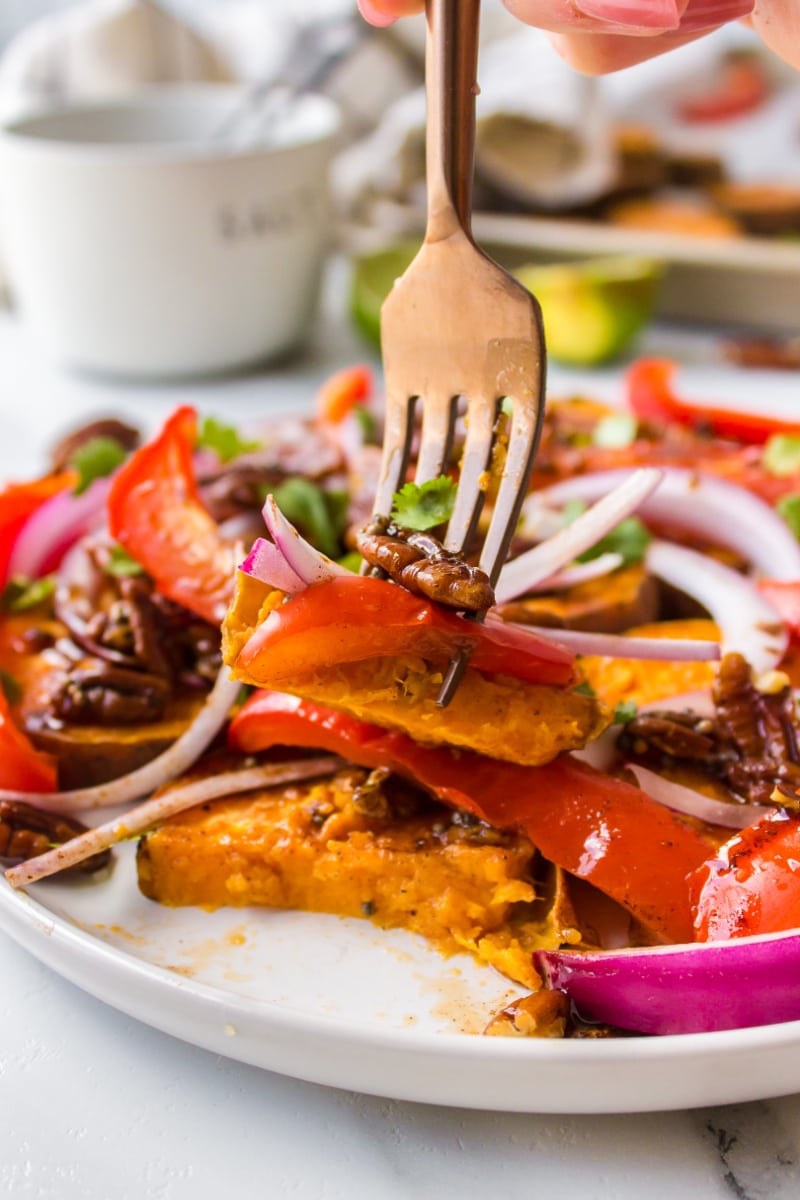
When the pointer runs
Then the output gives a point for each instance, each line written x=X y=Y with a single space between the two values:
x=592 y=825
x=156 y=513
x=650 y=397
x=752 y=886
x=22 y=767
x=355 y=617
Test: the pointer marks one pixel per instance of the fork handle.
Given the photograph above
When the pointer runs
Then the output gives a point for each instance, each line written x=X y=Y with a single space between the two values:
x=451 y=64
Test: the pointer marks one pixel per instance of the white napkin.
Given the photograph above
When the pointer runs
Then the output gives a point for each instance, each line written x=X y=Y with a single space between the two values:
x=102 y=48
x=543 y=134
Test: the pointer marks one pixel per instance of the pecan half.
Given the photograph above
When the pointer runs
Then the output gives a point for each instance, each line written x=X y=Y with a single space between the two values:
x=108 y=695
x=543 y=1014
x=751 y=745
x=420 y=563
x=761 y=726
x=26 y=832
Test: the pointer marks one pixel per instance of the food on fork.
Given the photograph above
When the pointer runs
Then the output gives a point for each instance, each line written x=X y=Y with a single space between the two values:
x=625 y=735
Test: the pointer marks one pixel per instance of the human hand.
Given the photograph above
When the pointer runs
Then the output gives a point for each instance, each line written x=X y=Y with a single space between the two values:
x=599 y=36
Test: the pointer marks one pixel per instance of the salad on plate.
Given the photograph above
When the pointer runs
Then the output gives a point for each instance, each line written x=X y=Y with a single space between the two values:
x=210 y=646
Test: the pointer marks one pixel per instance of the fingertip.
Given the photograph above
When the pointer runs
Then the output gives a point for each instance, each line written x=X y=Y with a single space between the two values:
x=603 y=54
x=374 y=15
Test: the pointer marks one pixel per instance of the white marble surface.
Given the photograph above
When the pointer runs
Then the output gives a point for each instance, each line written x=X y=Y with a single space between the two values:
x=95 y=1106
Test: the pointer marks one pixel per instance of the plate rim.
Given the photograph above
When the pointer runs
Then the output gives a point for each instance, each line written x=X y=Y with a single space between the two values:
x=36 y=927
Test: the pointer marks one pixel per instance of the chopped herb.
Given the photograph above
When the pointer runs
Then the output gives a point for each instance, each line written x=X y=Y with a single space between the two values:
x=352 y=561
x=789 y=509
x=572 y=510
x=625 y=711
x=10 y=688
x=630 y=539
x=781 y=454
x=95 y=459
x=320 y=516
x=585 y=689
x=22 y=594
x=368 y=423
x=616 y=431
x=121 y=565
x=423 y=506
x=224 y=440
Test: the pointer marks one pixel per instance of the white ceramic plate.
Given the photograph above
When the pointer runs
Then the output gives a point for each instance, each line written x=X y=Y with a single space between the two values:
x=341 y=1003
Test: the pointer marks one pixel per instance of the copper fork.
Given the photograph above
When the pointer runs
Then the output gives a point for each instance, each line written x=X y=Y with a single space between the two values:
x=456 y=325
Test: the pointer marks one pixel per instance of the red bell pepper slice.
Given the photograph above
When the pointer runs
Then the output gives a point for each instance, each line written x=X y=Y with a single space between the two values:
x=18 y=502
x=343 y=392
x=752 y=885
x=355 y=617
x=592 y=825
x=22 y=767
x=651 y=398
x=156 y=513
x=741 y=87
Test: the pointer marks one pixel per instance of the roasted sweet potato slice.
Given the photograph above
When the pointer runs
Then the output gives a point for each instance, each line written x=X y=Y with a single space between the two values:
x=444 y=875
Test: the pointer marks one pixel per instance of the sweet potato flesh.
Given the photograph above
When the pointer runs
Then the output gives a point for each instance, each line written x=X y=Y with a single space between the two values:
x=458 y=883
x=502 y=717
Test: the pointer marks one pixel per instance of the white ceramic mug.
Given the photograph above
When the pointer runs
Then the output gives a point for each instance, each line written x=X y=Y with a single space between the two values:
x=137 y=244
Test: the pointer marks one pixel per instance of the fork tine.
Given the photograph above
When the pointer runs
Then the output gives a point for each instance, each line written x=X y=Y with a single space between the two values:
x=526 y=427
x=525 y=430
x=438 y=423
x=475 y=461
x=397 y=438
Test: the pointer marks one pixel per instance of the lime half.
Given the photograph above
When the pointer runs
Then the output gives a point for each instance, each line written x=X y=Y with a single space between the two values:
x=372 y=279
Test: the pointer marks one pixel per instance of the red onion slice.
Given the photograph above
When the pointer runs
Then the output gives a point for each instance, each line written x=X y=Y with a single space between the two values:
x=698 y=988
x=152 y=812
x=614 y=645
x=184 y=751
x=55 y=527
x=543 y=561
x=749 y=623
x=596 y=568
x=309 y=564
x=694 y=804
x=266 y=563
x=714 y=509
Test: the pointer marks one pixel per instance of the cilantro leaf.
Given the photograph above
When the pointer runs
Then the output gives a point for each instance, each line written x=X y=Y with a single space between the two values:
x=616 y=431
x=423 y=506
x=625 y=711
x=781 y=454
x=22 y=594
x=223 y=439
x=585 y=689
x=121 y=565
x=351 y=561
x=572 y=510
x=368 y=423
x=320 y=516
x=789 y=508
x=9 y=687
x=629 y=539
x=95 y=459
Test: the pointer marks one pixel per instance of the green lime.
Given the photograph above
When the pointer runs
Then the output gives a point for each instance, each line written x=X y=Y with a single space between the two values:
x=372 y=279
x=593 y=310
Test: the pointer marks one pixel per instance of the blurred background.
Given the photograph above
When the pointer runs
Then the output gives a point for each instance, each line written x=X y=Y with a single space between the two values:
x=671 y=189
